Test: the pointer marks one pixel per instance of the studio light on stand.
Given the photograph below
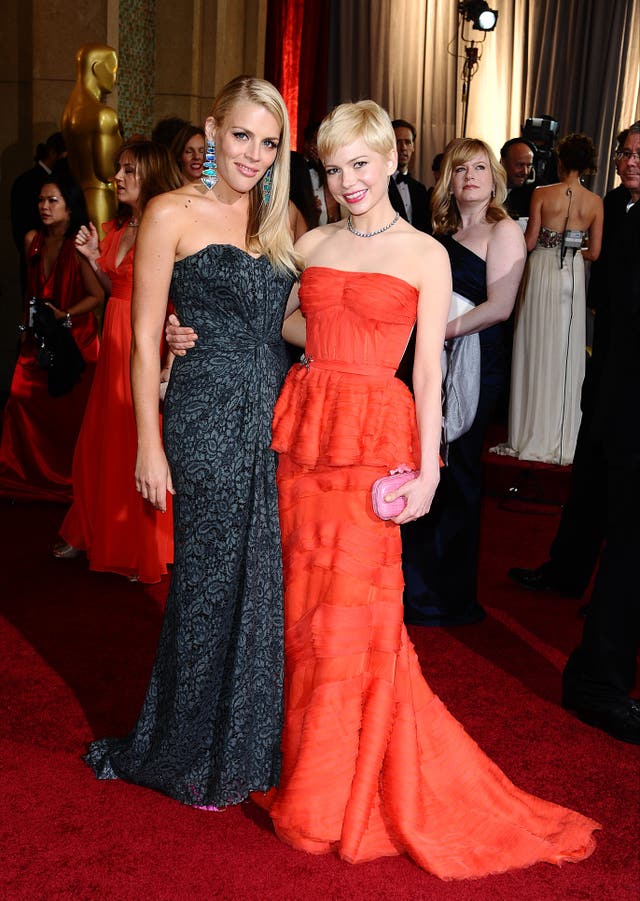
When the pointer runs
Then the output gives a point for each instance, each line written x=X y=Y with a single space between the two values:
x=482 y=19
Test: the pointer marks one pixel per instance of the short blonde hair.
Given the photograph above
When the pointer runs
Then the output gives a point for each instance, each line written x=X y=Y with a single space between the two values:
x=268 y=230
x=350 y=121
x=444 y=209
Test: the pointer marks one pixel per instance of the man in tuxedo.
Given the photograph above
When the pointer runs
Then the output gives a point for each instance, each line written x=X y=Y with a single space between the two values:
x=327 y=206
x=601 y=672
x=605 y=493
x=516 y=157
x=408 y=196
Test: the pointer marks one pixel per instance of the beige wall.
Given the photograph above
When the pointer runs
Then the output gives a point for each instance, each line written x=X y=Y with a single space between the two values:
x=199 y=47
x=200 y=44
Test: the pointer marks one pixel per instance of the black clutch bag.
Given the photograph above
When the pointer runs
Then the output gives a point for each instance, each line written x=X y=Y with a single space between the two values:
x=58 y=352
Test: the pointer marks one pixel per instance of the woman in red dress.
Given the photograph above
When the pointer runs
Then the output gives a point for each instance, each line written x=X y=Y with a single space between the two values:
x=40 y=431
x=373 y=762
x=109 y=520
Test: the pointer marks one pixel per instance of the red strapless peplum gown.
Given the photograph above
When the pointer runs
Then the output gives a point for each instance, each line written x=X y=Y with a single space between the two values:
x=39 y=432
x=118 y=529
x=373 y=763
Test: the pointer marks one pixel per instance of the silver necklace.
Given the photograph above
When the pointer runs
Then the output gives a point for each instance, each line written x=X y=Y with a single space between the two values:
x=378 y=231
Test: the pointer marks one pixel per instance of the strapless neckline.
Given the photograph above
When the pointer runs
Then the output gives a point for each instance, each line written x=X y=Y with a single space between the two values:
x=197 y=253
x=468 y=249
x=395 y=278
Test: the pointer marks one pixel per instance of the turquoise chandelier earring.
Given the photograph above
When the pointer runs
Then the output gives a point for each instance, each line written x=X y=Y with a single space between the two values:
x=267 y=182
x=209 y=176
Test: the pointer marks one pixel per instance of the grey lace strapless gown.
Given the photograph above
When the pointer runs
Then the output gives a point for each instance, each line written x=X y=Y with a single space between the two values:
x=210 y=726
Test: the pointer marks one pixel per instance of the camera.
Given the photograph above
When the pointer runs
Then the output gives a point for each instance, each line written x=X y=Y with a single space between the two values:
x=543 y=131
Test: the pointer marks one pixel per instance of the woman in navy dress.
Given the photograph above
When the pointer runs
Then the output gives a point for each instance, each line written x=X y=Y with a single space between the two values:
x=487 y=254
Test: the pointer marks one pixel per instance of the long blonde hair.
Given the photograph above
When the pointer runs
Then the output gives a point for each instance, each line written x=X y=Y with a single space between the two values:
x=445 y=215
x=268 y=231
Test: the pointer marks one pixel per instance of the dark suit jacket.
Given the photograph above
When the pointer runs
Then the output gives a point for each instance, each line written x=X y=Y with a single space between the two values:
x=519 y=200
x=618 y=279
x=420 y=211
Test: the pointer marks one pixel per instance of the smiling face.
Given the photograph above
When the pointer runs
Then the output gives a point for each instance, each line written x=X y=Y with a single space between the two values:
x=127 y=180
x=52 y=207
x=358 y=176
x=246 y=144
x=192 y=158
x=517 y=163
x=472 y=181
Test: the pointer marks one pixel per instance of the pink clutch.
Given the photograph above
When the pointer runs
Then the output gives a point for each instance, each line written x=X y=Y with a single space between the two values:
x=380 y=488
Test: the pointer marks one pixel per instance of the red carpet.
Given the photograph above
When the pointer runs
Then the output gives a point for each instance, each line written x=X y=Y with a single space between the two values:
x=75 y=653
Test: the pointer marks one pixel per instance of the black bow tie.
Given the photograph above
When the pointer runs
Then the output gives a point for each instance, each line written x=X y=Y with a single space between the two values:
x=400 y=177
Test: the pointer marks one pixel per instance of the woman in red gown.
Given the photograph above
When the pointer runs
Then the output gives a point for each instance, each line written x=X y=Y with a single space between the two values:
x=373 y=762
x=109 y=521
x=40 y=431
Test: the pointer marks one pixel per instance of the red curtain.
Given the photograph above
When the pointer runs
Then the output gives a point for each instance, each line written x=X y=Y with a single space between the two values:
x=296 y=58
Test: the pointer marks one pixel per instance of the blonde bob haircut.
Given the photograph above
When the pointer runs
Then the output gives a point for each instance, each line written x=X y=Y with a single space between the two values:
x=445 y=215
x=350 y=121
x=268 y=231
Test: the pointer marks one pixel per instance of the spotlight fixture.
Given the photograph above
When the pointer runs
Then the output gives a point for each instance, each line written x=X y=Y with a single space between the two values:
x=478 y=13
x=482 y=19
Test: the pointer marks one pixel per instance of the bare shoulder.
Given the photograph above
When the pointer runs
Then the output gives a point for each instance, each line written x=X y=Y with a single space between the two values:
x=506 y=246
x=315 y=238
x=423 y=261
x=594 y=200
x=422 y=246
x=167 y=206
x=506 y=231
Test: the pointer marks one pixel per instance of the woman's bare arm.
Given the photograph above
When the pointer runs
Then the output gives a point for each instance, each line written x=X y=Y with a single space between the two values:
x=506 y=256
x=592 y=252
x=535 y=220
x=433 y=306
x=153 y=265
x=88 y=245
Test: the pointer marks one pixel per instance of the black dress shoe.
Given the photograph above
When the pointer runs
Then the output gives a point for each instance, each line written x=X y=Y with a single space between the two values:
x=533 y=579
x=541 y=579
x=621 y=721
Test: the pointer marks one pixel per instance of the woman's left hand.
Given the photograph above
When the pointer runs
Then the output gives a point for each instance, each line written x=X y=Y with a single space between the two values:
x=59 y=314
x=419 y=493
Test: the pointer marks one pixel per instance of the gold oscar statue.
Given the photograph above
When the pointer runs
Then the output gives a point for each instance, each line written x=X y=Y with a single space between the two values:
x=92 y=131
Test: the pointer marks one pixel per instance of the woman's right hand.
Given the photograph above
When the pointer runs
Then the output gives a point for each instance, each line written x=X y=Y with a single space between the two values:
x=87 y=242
x=153 y=478
x=179 y=338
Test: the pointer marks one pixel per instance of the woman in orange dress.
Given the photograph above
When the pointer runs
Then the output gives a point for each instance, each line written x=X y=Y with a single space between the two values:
x=40 y=431
x=109 y=520
x=373 y=763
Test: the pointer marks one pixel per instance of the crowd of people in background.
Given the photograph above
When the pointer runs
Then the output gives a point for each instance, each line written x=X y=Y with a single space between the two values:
x=360 y=261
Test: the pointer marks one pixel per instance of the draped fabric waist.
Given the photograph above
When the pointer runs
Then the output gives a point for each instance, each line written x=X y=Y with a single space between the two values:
x=252 y=360
x=236 y=349
x=339 y=413
x=375 y=370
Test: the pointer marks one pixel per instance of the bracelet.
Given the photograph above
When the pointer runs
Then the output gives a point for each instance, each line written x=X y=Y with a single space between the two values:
x=67 y=321
x=21 y=328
